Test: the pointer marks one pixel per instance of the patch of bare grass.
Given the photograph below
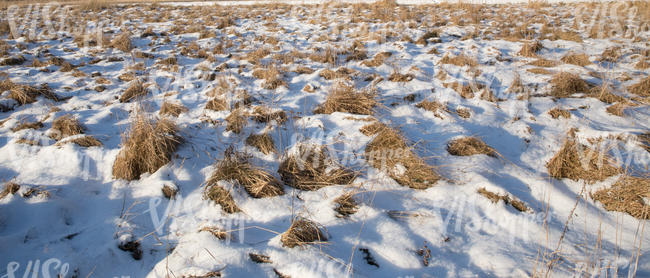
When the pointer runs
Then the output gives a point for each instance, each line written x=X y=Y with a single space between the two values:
x=566 y=84
x=578 y=162
x=460 y=60
x=467 y=146
x=302 y=232
x=530 y=49
x=65 y=126
x=135 y=90
x=557 y=113
x=345 y=205
x=263 y=142
x=172 y=109
x=147 y=146
x=345 y=98
x=626 y=195
x=641 y=89
x=312 y=168
x=236 y=167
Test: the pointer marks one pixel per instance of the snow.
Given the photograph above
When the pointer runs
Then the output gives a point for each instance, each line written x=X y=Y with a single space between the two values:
x=89 y=213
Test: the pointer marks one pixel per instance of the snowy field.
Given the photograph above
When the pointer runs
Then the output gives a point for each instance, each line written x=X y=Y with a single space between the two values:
x=325 y=140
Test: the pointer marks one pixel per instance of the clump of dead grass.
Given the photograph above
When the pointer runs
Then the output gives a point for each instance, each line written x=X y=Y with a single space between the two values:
x=216 y=232
x=495 y=198
x=576 y=59
x=302 y=232
x=263 y=114
x=530 y=49
x=222 y=197
x=641 y=89
x=557 y=113
x=236 y=167
x=467 y=146
x=263 y=142
x=216 y=104
x=273 y=77
x=566 y=84
x=312 y=168
x=626 y=195
x=345 y=98
x=172 y=109
x=135 y=90
x=346 y=205
x=65 y=126
x=26 y=94
x=433 y=106
x=27 y=125
x=578 y=162
x=9 y=188
x=147 y=146
x=400 y=77
x=460 y=60
x=85 y=141
x=389 y=151
x=377 y=60
x=236 y=120
x=122 y=42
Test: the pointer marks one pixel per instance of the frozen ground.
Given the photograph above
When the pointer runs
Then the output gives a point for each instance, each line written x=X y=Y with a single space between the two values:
x=79 y=214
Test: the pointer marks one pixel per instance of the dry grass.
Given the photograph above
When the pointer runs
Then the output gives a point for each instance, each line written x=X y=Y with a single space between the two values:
x=27 y=125
x=460 y=60
x=25 y=94
x=604 y=94
x=9 y=188
x=216 y=104
x=216 y=232
x=617 y=109
x=579 y=162
x=122 y=42
x=467 y=146
x=148 y=145
x=641 y=89
x=259 y=258
x=377 y=60
x=557 y=113
x=236 y=120
x=12 y=61
x=424 y=39
x=544 y=63
x=273 y=78
x=85 y=141
x=65 y=126
x=463 y=112
x=644 y=140
x=345 y=98
x=626 y=195
x=222 y=197
x=302 y=232
x=312 y=168
x=263 y=114
x=566 y=84
x=346 y=205
x=576 y=59
x=263 y=142
x=236 y=167
x=610 y=55
x=327 y=56
x=642 y=65
x=172 y=109
x=433 y=106
x=135 y=90
x=495 y=198
x=389 y=152
x=530 y=49
x=400 y=77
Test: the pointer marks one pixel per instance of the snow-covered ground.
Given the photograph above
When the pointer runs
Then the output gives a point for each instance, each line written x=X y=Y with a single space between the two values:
x=80 y=215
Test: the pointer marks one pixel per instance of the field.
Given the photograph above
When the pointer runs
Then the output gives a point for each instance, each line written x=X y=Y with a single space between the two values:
x=325 y=139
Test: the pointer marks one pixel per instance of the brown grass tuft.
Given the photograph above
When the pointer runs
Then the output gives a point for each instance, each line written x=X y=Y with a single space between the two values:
x=346 y=205
x=27 y=125
x=388 y=149
x=313 y=168
x=604 y=94
x=122 y=42
x=85 y=141
x=262 y=114
x=400 y=77
x=9 y=188
x=259 y=258
x=263 y=142
x=544 y=63
x=236 y=120
x=433 y=106
x=302 y=232
x=626 y=195
x=169 y=191
x=172 y=109
x=216 y=232
x=566 y=84
x=644 y=140
x=135 y=90
x=216 y=104
x=460 y=60
x=273 y=77
x=576 y=59
x=530 y=49
x=222 y=197
x=642 y=88
x=148 y=146
x=610 y=55
x=236 y=167
x=495 y=198
x=345 y=98
x=579 y=162
x=25 y=94
x=65 y=126
x=377 y=60
x=557 y=112
x=467 y=146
